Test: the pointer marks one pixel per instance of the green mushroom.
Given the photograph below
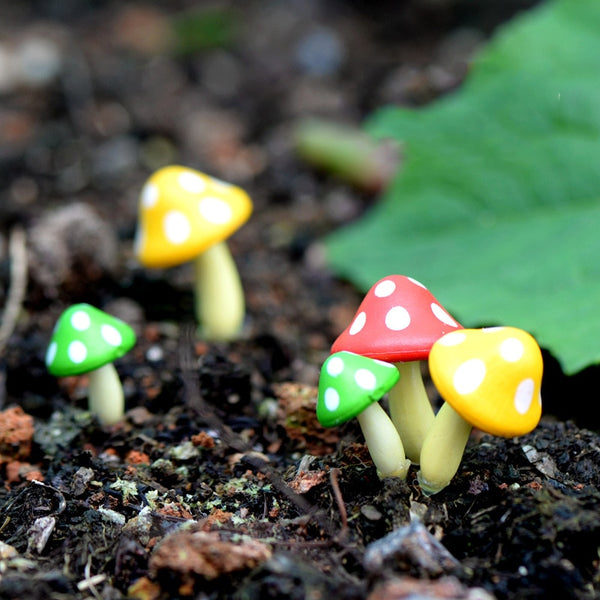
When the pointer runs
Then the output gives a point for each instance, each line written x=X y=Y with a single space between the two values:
x=88 y=340
x=350 y=385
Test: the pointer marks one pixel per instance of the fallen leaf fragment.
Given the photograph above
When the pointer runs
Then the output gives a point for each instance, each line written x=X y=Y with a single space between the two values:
x=7 y=551
x=144 y=589
x=296 y=413
x=217 y=516
x=306 y=480
x=17 y=470
x=175 y=509
x=135 y=457
x=16 y=433
x=542 y=461
x=204 y=440
x=205 y=554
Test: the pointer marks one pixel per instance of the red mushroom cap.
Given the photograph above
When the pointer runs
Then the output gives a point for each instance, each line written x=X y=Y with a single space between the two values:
x=398 y=321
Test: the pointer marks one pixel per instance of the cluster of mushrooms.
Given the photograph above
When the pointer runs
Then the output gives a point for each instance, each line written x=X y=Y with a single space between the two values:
x=489 y=378
x=184 y=215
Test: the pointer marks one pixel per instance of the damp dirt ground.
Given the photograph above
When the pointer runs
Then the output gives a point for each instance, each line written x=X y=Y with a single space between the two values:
x=219 y=482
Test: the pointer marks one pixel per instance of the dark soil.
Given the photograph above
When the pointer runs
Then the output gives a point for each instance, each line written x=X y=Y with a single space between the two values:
x=219 y=483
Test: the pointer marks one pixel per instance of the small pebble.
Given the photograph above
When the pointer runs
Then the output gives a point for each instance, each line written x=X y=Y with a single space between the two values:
x=370 y=512
x=154 y=354
x=321 y=52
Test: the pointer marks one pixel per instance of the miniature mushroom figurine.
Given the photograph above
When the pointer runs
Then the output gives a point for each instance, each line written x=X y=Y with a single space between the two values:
x=490 y=379
x=350 y=386
x=186 y=215
x=88 y=340
x=398 y=321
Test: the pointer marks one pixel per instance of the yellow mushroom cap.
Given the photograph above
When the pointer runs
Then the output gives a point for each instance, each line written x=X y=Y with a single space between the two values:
x=182 y=212
x=492 y=377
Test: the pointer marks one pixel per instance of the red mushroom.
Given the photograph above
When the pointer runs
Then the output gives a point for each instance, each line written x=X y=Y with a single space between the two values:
x=398 y=321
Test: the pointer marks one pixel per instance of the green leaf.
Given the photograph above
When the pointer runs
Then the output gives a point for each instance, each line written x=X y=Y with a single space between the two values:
x=203 y=28
x=497 y=207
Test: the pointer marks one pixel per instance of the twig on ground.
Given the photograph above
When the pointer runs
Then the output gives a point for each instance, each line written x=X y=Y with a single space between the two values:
x=337 y=494
x=91 y=581
x=17 y=248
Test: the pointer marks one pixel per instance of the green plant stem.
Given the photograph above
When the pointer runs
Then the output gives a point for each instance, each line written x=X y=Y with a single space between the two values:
x=347 y=152
x=219 y=297
x=384 y=443
x=410 y=408
x=443 y=450
x=105 y=394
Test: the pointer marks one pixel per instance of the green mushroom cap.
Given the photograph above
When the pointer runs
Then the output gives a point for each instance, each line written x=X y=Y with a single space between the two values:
x=86 y=338
x=349 y=383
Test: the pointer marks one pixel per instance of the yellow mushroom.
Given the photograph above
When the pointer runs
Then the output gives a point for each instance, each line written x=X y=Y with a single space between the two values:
x=186 y=215
x=490 y=379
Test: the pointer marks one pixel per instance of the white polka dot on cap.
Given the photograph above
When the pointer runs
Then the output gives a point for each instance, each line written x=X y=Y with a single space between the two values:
x=511 y=349
x=416 y=282
x=191 y=182
x=335 y=366
x=149 y=195
x=452 y=339
x=365 y=379
x=441 y=315
x=469 y=376
x=51 y=353
x=177 y=227
x=110 y=335
x=524 y=396
x=397 y=318
x=384 y=288
x=215 y=210
x=80 y=320
x=77 y=351
x=331 y=399
x=358 y=323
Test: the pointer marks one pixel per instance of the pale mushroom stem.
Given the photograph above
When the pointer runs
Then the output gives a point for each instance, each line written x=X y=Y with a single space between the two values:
x=443 y=450
x=384 y=443
x=105 y=394
x=219 y=297
x=410 y=408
